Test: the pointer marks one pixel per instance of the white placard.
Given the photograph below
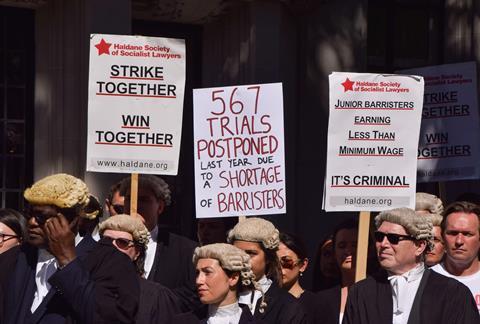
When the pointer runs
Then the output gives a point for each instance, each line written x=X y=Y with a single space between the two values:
x=373 y=134
x=449 y=136
x=239 y=151
x=135 y=104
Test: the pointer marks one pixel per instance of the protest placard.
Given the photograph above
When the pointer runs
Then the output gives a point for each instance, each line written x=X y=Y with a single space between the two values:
x=239 y=151
x=135 y=104
x=446 y=150
x=373 y=134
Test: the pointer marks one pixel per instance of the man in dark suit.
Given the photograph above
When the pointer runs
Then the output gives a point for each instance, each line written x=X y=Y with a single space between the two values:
x=169 y=256
x=406 y=291
x=61 y=279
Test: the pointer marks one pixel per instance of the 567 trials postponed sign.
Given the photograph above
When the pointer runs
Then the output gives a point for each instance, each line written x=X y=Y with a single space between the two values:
x=135 y=104
x=373 y=134
x=239 y=151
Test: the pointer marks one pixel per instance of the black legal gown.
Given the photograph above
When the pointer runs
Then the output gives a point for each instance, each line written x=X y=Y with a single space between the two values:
x=311 y=306
x=439 y=300
x=7 y=264
x=201 y=316
x=329 y=301
x=158 y=304
x=282 y=308
x=99 y=286
x=173 y=268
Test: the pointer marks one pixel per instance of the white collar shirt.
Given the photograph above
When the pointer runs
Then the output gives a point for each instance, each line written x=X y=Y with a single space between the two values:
x=150 y=253
x=250 y=300
x=404 y=289
x=229 y=314
x=46 y=267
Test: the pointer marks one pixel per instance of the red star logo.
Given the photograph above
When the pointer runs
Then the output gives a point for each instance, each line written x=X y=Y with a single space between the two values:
x=347 y=85
x=103 y=47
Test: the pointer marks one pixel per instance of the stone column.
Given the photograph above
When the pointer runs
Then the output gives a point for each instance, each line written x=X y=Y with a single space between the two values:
x=61 y=81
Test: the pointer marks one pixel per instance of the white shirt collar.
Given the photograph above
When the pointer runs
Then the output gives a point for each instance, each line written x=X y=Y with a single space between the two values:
x=246 y=296
x=154 y=234
x=404 y=290
x=412 y=274
x=228 y=311
x=150 y=253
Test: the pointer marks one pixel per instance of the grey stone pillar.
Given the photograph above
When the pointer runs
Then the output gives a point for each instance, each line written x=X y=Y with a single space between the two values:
x=61 y=81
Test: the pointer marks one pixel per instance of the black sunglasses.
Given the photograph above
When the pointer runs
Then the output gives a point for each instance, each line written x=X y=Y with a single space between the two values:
x=392 y=238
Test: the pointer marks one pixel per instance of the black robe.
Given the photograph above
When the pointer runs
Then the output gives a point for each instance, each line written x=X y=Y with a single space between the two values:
x=158 y=304
x=7 y=264
x=173 y=268
x=282 y=308
x=99 y=286
x=443 y=301
x=329 y=301
x=201 y=317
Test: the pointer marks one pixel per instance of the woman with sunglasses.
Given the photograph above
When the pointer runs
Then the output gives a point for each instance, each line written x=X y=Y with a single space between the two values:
x=332 y=301
x=222 y=272
x=12 y=234
x=129 y=235
x=293 y=260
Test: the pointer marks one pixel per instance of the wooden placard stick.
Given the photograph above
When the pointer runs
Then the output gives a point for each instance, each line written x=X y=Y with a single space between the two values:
x=362 y=246
x=133 y=194
x=241 y=218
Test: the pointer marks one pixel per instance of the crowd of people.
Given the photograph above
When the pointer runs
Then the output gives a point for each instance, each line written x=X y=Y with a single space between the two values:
x=63 y=261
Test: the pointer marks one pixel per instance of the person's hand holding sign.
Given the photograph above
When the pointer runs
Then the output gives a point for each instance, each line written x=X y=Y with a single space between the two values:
x=61 y=238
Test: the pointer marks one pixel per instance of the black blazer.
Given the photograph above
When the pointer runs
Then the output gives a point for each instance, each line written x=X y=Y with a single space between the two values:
x=439 y=300
x=99 y=286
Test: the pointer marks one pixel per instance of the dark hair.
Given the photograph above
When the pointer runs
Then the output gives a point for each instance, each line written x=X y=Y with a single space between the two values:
x=460 y=207
x=349 y=224
x=16 y=221
x=295 y=244
x=273 y=269
x=156 y=185
x=113 y=189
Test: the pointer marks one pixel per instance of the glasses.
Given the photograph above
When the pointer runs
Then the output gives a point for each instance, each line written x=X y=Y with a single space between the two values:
x=392 y=238
x=122 y=243
x=288 y=263
x=6 y=237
